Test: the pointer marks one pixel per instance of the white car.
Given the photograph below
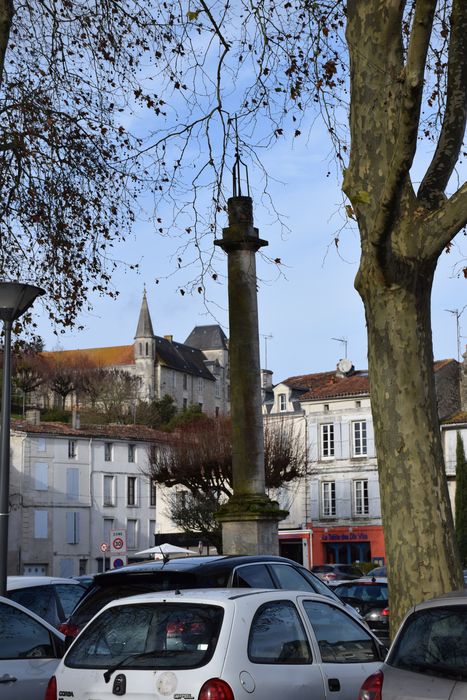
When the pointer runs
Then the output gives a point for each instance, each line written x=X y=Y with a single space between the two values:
x=30 y=650
x=428 y=657
x=51 y=597
x=219 y=643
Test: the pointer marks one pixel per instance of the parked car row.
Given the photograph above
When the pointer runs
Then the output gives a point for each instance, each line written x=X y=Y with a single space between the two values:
x=211 y=631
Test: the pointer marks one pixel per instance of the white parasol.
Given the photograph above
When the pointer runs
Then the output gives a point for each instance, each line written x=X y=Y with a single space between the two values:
x=165 y=550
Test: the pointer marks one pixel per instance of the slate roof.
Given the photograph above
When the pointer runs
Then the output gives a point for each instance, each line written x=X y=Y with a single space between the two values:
x=207 y=338
x=144 y=328
x=182 y=357
x=113 y=431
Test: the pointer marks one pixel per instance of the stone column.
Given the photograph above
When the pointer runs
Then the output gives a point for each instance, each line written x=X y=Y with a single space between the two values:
x=249 y=519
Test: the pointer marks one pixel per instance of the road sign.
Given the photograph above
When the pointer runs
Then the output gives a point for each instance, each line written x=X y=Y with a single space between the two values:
x=118 y=542
x=104 y=547
x=118 y=562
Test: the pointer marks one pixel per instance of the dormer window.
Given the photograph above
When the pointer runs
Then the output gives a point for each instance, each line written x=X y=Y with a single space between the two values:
x=282 y=402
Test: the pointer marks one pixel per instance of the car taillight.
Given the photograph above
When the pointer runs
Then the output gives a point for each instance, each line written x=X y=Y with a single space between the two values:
x=215 y=689
x=51 y=692
x=68 y=629
x=385 y=612
x=372 y=687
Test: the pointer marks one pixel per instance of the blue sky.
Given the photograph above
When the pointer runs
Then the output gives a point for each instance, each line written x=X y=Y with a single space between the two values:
x=304 y=308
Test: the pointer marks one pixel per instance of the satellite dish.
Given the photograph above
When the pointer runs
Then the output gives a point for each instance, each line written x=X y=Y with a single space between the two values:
x=344 y=366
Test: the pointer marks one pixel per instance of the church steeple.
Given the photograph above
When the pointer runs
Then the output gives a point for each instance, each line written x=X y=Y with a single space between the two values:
x=144 y=329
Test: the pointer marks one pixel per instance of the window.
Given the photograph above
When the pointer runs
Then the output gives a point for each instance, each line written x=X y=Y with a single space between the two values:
x=218 y=389
x=200 y=385
x=181 y=499
x=200 y=406
x=361 y=503
x=147 y=349
x=109 y=490
x=277 y=635
x=358 y=404
x=131 y=490
x=282 y=402
x=185 y=404
x=72 y=484
x=25 y=638
x=108 y=451
x=341 y=640
x=40 y=524
x=72 y=528
x=359 y=438
x=152 y=532
x=40 y=477
x=326 y=408
x=185 y=381
x=131 y=453
x=71 y=449
x=327 y=440
x=152 y=493
x=328 y=498
x=132 y=534
x=253 y=576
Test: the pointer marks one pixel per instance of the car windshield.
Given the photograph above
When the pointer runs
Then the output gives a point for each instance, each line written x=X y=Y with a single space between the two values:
x=112 y=587
x=148 y=636
x=370 y=593
x=434 y=642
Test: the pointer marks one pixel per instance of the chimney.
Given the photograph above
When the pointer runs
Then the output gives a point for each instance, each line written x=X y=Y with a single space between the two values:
x=266 y=379
x=169 y=338
x=75 y=419
x=33 y=416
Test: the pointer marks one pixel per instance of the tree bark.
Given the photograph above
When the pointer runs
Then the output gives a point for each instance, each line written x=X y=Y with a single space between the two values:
x=401 y=239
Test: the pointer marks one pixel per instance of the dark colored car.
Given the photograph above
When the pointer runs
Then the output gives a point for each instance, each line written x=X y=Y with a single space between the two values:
x=336 y=572
x=370 y=599
x=193 y=572
x=378 y=571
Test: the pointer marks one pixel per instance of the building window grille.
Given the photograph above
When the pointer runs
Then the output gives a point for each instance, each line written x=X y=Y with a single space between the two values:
x=131 y=491
x=359 y=438
x=361 y=501
x=328 y=498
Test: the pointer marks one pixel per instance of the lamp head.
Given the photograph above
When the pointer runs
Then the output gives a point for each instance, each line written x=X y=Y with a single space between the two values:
x=16 y=298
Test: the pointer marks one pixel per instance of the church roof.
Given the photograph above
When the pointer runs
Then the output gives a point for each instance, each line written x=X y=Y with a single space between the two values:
x=207 y=338
x=182 y=358
x=97 y=357
x=144 y=329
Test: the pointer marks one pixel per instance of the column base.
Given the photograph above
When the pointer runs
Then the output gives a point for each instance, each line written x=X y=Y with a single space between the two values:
x=249 y=525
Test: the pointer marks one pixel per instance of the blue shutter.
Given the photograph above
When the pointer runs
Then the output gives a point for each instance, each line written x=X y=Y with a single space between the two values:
x=41 y=480
x=72 y=485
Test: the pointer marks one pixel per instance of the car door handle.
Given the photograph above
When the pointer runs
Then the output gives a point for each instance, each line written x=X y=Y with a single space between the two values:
x=7 y=679
x=334 y=684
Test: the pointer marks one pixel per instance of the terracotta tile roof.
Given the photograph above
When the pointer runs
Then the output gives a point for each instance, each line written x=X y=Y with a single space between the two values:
x=99 y=357
x=457 y=418
x=113 y=431
x=328 y=385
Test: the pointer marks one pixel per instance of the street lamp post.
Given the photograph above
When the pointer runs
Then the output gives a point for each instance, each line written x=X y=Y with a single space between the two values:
x=15 y=299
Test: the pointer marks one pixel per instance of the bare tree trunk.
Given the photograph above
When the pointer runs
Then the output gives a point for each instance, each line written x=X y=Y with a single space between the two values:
x=417 y=517
x=402 y=236
x=6 y=18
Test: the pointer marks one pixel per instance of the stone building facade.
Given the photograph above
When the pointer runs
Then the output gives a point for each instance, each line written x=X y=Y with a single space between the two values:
x=195 y=372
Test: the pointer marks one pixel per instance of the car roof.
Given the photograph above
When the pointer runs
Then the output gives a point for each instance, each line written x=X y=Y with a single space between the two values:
x=14 y=604
x=194 y=563
x=451 y=598
x=15 y=582
x=217 y=596
x=368 y=581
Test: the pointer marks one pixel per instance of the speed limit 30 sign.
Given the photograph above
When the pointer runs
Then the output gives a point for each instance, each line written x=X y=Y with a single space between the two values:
x=118 y=542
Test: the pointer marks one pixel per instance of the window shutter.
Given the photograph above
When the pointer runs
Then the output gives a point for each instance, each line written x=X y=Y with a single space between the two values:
x=40 y=524
x=337 y=441
x=345 y=436
x=370 y=439
x=72 y=485
x=313 y=442
x=41 y=476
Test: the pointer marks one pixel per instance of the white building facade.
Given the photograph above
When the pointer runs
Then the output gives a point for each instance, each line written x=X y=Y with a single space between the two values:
x=70 y=488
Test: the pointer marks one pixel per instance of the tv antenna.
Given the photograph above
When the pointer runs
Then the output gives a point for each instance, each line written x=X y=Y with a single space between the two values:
x=344 y=342
x=457 y=314
x=266 y=338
